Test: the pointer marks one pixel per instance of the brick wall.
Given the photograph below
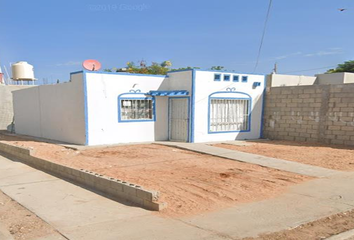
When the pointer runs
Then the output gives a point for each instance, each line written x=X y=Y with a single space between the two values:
x=316 y=113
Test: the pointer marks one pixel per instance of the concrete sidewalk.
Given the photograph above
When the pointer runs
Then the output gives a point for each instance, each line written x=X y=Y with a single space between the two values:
x=80 y=214
x=275 y=163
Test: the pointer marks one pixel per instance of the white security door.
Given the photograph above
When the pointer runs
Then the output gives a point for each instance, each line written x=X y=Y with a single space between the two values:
x=178 y=119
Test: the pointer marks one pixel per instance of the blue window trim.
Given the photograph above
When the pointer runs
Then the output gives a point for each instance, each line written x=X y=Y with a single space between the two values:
x=217 y=75
x=244 y=79
x=121 y=97
x=236 y=78
x=226 y=75
x=189 y=116
x=238 y=98
x=261 y=135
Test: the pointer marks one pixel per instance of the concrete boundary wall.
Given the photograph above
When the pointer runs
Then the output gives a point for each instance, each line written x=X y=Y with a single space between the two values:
x=115 y=189
x=316 y=113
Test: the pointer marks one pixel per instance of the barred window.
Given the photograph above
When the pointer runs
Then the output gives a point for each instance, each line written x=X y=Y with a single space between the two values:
x=136 y=109
x=229 y=115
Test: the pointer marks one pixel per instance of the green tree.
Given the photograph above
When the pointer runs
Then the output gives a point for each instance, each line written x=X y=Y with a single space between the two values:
x=347 y=66
x=217 y=68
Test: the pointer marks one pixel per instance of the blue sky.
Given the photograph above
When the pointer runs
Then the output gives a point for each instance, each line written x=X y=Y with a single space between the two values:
x=56 y=36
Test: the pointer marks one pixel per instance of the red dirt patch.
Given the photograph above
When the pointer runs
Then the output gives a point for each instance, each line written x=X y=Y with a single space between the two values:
x=189 y=182
x=21 y=223
x=327 y=156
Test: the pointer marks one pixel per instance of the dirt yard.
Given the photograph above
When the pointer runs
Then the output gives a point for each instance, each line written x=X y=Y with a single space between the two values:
x=327 y=156
x=21 y=223
x=316 y=230
x=190 y=183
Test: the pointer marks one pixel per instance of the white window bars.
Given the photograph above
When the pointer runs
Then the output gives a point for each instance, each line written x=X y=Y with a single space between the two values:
x=229 y=115
x=137 y=109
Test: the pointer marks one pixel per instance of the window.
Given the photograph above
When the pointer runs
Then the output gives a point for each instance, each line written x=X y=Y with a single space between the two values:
x=217 y=77
x=226 y=77
x=229 y=115
x=244 y=78
x=136 y=109
x=235 y=78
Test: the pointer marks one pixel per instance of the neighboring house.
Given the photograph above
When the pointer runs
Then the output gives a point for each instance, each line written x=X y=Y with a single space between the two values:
x=97 y=108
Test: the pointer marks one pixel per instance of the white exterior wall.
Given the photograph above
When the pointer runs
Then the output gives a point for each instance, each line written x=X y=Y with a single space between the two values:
x=102 y=94
x=52 y=111
x=335 y=78
x=281 y=80
x=205 y=86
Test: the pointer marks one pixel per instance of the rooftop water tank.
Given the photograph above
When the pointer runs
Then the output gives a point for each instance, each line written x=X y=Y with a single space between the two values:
x=22 y=71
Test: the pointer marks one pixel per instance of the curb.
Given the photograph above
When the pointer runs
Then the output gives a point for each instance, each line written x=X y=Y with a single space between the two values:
x=116 y=189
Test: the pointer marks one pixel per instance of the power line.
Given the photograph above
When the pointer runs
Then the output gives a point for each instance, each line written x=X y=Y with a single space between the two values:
x=263 y=34
x=310 y=69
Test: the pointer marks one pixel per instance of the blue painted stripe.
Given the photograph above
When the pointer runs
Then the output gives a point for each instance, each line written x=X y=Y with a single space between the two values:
x=261 y=135
x=125 y=73
x=86 y=109
x=184 y=70
x=193 y=106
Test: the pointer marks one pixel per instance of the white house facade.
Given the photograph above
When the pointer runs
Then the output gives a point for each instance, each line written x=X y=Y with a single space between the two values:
x=97 y=108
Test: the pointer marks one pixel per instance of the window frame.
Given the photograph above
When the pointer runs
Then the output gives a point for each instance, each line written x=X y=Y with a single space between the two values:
x=215 y=75
x=122 y=98
x=248 y=129
x=226 y=75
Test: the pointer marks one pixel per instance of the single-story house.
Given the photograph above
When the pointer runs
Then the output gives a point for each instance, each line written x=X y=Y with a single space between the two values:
x=97 y=108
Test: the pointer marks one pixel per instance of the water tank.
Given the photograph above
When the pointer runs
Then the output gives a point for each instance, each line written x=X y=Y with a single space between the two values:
x=22 y=71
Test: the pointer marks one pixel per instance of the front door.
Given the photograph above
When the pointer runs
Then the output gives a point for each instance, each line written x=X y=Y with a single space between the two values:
x=178 y=119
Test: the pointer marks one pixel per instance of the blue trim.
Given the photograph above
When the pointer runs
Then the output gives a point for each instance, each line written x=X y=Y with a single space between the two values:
x=233 y=72
x=235 y=78
x=169 y=93
x=193 y=106
x=169 y=112
x=249 y=110
x=263 y=106
x=244 y=79
x=227 y=75
x=183 y=70
x=217 y=77
x=125 y=73
x=85 y=108
x=136 y=98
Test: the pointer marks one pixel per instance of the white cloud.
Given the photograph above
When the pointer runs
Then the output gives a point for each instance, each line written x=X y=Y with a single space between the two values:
x=287 y=55
x=330 y=51
x=69 y=63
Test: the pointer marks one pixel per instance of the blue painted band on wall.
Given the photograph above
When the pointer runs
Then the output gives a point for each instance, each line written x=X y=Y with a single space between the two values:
x=85 y=109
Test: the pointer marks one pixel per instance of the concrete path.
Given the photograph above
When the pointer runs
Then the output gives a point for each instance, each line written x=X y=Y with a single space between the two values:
x=80 y=214
x=275 y=163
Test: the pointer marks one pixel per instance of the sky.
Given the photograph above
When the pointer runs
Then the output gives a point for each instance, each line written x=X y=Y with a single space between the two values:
x=303 y=37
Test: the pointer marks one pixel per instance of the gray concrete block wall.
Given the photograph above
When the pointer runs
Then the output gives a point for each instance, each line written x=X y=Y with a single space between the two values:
x=316 y=113
x=116 y=189
x=6 y=105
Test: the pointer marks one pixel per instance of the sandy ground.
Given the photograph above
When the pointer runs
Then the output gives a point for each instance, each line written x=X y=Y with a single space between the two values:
x=327 y=156
x=20 y=222
x=319 y=229
x=190 y=183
